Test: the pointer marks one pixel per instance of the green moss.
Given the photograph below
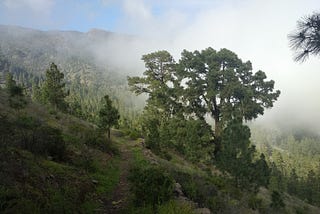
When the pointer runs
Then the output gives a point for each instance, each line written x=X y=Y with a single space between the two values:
x=55 y=168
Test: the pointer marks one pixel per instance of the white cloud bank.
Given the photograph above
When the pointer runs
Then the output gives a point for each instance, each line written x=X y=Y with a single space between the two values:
x=254 y=29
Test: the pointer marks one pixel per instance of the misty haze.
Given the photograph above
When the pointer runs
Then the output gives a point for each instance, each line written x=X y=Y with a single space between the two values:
x=146 y=106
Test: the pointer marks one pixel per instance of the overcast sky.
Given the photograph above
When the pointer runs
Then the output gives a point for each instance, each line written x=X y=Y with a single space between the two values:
x=254 y=29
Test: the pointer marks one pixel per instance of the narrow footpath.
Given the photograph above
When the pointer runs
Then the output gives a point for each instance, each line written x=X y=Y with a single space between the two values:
x=119 y=200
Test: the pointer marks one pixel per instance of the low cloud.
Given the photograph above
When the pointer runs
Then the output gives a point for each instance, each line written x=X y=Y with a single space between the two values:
x=254 y=29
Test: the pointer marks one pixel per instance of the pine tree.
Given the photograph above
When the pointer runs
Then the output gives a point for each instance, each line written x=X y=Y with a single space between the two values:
x=16 y=99
x=262 y=171
x=215 y=83
x=108 y=115
x=158 y=82
x=53 y=87
x=11 y=86
x=218 y=83
x=236 y=154
x=305 y=40
x=293 y=183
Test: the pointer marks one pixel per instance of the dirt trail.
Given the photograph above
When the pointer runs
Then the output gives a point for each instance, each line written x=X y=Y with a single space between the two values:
x=119 y=200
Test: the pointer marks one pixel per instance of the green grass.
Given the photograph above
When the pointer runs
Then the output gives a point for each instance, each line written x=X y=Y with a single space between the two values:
x=55 y=168
x=107 y=177
x=174 y=207
x=170 y=207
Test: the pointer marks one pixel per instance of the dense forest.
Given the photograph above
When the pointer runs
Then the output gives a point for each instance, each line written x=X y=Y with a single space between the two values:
x=179 y=138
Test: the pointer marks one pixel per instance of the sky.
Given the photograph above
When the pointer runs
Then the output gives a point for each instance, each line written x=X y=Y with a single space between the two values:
x=254 y=29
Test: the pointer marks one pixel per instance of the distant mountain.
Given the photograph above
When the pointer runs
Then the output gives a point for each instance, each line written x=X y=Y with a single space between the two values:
x=94 y=63
x=34 y=49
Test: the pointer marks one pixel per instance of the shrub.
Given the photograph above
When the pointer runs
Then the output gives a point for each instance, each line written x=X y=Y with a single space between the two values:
x=96 y=139
x=49 y=141
x=254 y=202
x=217 y=204
x=277 y=200
x=174 y=207
x=40 y=139
x=6 y=131
x=197 y=188
x=134 y=134
x=151 y=185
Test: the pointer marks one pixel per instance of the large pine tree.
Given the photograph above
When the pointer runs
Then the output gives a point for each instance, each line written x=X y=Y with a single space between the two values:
x=210 y=82
x=53 y=88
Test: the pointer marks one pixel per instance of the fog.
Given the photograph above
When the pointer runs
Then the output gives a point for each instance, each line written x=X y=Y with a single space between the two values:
x=254 y=29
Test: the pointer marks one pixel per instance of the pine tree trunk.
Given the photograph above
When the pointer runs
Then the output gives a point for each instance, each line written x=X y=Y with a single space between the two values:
x=217 y=128
x=217 y=135
x=108 y=132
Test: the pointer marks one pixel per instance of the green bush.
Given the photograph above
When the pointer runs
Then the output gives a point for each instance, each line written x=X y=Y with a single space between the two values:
x=134 y=134
x=151 y=185
x=277 y=200
x=197 y=188
x=96 y=139
x=38 y=138
x=165 y=155
x=191 y=138
x=49 y=141
x=6 y=131
x=302 y=210
x=174 y=207
x=217 y=204
x=254 y=202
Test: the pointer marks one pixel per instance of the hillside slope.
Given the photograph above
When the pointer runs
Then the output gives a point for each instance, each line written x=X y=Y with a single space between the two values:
x=90 y=63
x=55 y=163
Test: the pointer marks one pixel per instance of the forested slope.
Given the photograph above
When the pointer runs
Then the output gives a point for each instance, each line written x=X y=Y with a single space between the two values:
x=29 y=52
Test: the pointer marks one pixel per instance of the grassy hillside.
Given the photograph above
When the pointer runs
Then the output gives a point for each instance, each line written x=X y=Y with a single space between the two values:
x=55 y=163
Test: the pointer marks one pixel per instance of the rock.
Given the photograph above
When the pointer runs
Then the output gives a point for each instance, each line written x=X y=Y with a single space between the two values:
x=114 y=203
x=95 y=181
x=154 y=162
x=143 y=143
x=202 y=211
x=178 y=190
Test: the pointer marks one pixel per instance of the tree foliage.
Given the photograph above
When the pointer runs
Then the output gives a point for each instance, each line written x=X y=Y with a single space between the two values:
x=237 y=157
x=11 y=86
x=220 y=84
x=305 y=40
x=16 y=99
x=108 y=115
x=210 y=82
x=158 y=82
x=53 y=87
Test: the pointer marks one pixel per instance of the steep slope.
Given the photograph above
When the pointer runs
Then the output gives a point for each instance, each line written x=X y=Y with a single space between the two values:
x=53 y=162
x=86 y=59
